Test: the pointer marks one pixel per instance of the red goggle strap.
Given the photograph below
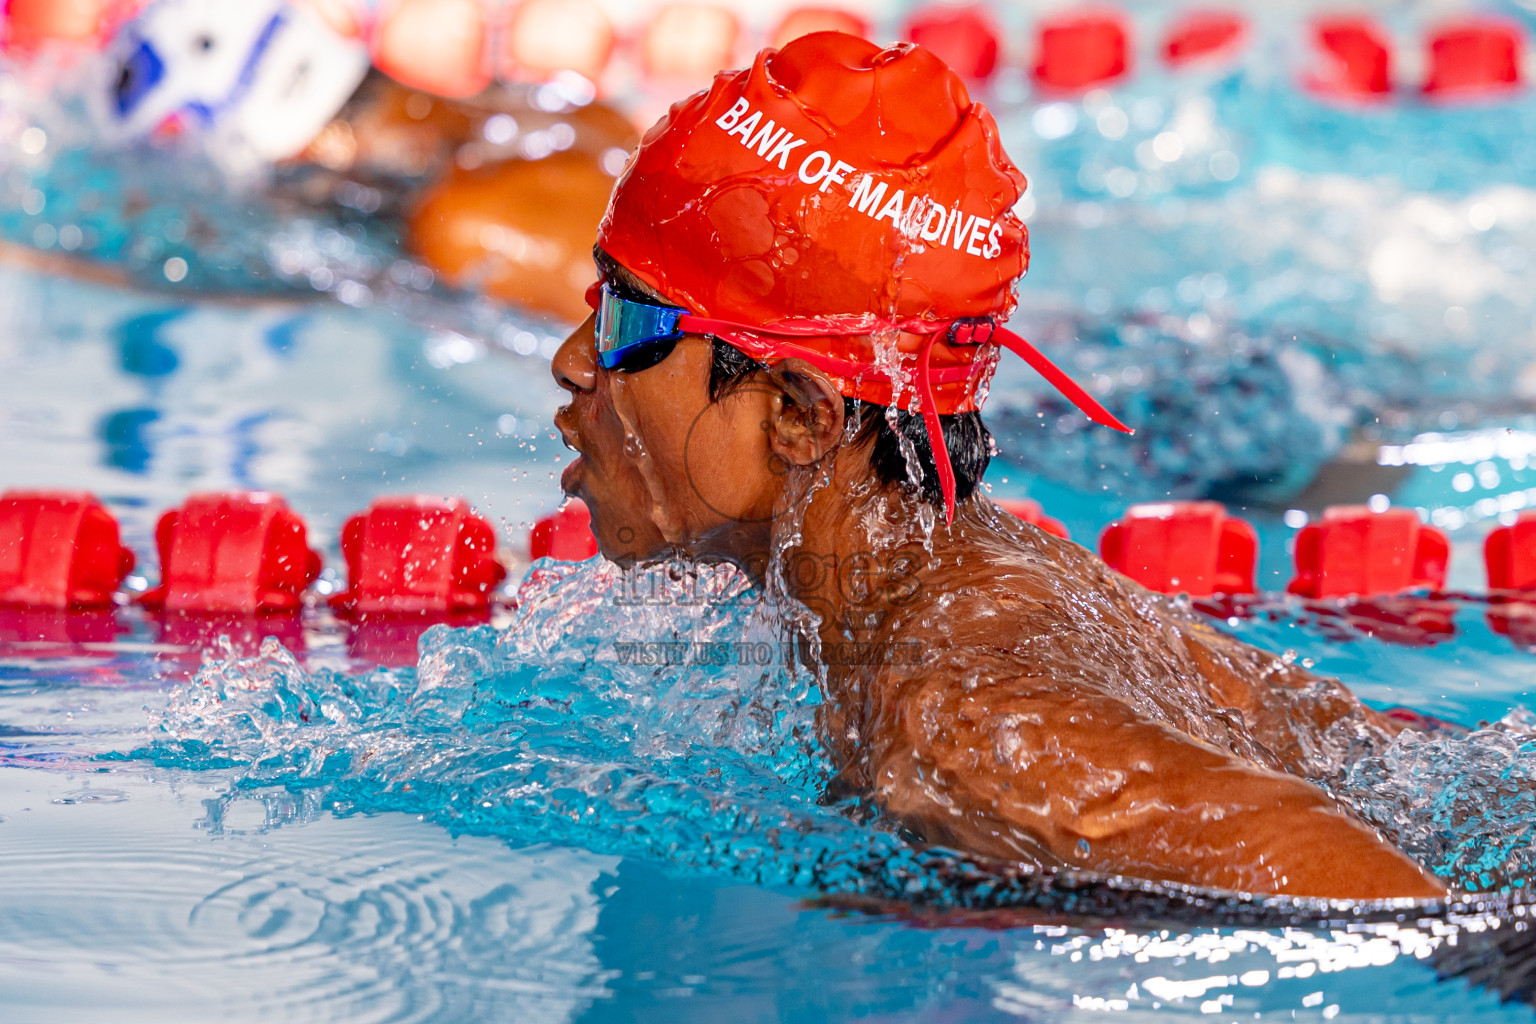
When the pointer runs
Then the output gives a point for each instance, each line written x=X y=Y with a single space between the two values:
x=966 y=333
x=927 y=377
x=749 y=340
x=935 y=428
x=1069 y=388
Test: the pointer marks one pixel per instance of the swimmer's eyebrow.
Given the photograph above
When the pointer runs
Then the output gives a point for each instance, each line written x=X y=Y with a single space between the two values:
x=626 y=284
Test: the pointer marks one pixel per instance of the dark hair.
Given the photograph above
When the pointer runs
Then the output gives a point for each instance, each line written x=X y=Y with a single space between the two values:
x=965 y=435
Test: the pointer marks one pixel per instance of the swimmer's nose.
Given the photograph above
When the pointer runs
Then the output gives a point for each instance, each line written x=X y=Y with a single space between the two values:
x=575 y=365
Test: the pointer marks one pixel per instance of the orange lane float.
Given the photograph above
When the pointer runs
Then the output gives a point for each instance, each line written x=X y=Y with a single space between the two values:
x=541 y=38
x=439 y=46
x=802 y=21
x=689 y=42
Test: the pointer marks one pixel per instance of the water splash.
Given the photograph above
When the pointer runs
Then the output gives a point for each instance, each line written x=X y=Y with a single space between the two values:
x=1466 y=807
x=572 y=726
x=660 y=716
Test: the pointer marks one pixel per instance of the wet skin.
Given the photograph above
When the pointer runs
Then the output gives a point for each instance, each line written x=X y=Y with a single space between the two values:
x=998 y=690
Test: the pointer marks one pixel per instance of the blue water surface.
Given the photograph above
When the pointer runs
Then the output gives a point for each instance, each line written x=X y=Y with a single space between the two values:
x=523 y=825
x=525 y=820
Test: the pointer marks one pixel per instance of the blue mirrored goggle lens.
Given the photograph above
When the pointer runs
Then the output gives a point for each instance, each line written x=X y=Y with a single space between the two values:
x=629 y=332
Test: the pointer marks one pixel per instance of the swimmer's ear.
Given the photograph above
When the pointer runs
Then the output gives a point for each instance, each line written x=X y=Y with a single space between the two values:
x=810 y=418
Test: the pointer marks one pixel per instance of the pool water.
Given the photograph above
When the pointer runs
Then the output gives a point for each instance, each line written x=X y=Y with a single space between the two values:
x=532 y=819
x=529 y=824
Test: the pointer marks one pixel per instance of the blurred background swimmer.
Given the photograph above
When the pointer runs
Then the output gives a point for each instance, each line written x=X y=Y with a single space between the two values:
x=275 y=112
x=259 y=79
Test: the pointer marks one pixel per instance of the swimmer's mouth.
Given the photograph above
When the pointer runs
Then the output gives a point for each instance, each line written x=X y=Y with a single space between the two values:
x=571 y=478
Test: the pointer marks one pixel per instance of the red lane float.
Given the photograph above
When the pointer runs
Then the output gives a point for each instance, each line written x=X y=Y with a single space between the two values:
x=1474 y=57
x=58 y=550
x=1190 y=547
x=1510 y=555
x=965 y=38
x=1355 y=552
x=1031 y=512
x=689 y=42
x=418 y=555
x=30 y=24
x=1369 y=560
x=543 y=37
x=437 y=46
x=566 y=535
x=1353 y=59
x=240 y=553
x=1204 y=37
x=802 y=21
x=1077 y=51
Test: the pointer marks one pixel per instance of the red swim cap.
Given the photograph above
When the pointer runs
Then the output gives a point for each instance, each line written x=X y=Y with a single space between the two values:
x=802 y=186
x=848 y=196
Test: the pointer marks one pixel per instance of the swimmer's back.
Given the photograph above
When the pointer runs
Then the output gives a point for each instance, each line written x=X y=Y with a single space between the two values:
x=1067 y=716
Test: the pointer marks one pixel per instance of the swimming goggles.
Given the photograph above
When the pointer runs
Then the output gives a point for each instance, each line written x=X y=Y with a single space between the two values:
x=633 y=336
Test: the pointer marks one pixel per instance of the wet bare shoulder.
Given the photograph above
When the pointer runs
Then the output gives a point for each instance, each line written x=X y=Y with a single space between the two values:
x=1032 y=606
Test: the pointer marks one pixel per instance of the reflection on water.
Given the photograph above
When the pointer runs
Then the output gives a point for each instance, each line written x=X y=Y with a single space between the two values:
x=342 y=919
x=118 y=903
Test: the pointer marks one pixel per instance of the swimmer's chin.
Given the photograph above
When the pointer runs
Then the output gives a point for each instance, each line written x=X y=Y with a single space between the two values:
x=570 y=479
x=630 y=556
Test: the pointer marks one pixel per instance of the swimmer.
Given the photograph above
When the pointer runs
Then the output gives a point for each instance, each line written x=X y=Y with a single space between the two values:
x=802 y=273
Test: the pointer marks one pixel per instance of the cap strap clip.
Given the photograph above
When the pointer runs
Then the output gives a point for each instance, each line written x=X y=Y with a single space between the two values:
x=971 y=331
